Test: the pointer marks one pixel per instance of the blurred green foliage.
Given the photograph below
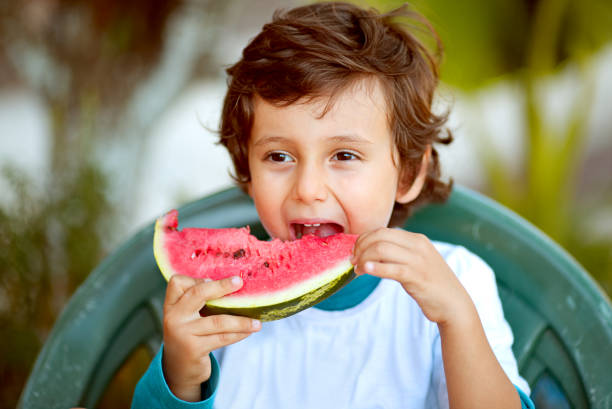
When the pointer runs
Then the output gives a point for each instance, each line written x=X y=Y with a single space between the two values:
x=84 y=60
x=486 y=40
x=49 y=242
x=527 y=43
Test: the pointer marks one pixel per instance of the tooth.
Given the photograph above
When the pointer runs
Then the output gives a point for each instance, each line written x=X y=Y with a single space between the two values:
x=307 y=225
x=317 y=224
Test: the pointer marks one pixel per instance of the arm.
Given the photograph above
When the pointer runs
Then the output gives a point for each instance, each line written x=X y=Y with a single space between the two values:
x=152 y=391
x=474 y=377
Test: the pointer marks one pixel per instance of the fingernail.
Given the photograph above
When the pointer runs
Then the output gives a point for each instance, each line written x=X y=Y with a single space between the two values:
x=207 y=280
x=256 y=324
x=369 y=266
x=236 y=280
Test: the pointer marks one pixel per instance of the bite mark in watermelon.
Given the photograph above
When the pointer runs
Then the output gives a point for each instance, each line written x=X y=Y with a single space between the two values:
x=280 y=278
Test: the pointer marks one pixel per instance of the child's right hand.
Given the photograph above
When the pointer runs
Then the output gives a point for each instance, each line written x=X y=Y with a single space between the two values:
x=189 y=338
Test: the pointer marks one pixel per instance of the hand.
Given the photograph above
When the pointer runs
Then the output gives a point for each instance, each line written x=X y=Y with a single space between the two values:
x=413 y=261
x=189 y=338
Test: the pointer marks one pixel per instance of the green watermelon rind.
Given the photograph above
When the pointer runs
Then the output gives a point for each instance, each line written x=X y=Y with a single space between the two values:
x=263 y=307
x=287 y=308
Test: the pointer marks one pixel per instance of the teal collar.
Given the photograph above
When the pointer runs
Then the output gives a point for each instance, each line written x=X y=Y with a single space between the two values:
x=351 y=294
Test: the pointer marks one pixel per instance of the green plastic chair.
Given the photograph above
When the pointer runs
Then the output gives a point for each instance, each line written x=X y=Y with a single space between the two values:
x=562 y=322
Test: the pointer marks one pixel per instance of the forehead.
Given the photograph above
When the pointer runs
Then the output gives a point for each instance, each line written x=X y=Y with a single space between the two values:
x=360 y=108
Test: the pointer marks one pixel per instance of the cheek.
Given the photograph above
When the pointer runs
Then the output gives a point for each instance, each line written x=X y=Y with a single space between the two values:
x=375 y=183
x=263 y=198
x=268 y=203
x=265 y=211
x=374 y=211
x=368 y=204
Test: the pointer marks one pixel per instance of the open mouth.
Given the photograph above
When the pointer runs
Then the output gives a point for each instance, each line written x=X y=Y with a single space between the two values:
x=299 y=230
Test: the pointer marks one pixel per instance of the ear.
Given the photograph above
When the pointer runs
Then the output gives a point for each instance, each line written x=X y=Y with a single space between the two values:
x=406 y=194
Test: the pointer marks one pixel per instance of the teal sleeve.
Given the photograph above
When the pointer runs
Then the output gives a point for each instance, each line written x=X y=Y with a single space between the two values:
x=526 y=402
x=152 y=391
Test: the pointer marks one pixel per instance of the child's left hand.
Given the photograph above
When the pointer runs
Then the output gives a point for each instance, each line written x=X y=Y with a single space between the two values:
x=413 y=261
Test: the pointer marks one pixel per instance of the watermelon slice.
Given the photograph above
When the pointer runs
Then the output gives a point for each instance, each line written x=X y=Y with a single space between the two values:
x=280 y=278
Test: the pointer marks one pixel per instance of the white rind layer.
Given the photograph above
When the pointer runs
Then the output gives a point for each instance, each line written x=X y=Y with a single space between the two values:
x=281 y=296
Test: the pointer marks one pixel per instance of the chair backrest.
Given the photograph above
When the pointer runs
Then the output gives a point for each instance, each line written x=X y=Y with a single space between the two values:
x=562 y=322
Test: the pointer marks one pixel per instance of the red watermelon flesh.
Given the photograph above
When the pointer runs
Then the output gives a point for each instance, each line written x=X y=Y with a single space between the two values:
x=280 y=277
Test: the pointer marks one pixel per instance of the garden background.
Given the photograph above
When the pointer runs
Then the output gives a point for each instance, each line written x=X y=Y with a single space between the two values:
x=107 y=110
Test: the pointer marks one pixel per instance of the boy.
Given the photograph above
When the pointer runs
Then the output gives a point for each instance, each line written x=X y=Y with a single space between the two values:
x=328 y=121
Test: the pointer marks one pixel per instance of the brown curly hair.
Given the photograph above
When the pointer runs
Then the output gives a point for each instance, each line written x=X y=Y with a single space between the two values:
x=321 y=49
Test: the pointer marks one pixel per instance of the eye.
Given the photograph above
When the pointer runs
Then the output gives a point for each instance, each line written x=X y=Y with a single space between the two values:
x=278 y=157
x=345 y=156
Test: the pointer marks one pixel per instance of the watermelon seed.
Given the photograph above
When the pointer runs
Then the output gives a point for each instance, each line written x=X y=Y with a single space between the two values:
x=226 y=254
x=239 y=253
x=266 y=264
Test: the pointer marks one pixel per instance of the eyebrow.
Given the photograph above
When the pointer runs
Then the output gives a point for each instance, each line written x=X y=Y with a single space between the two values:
x=348 y=138
x=270 y=139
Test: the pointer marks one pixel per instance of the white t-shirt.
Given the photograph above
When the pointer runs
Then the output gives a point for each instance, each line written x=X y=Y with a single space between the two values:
x=382 y=353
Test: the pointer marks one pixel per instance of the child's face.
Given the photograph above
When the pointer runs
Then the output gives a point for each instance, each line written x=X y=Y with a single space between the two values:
x=323 y=175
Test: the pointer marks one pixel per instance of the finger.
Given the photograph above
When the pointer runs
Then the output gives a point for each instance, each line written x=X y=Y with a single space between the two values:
x=177 y=285
x=216 y=341
x=383 y=252
x=416 y=242
x=195 y=297
x=384 y=234
x=223 y=323
x=393 y=271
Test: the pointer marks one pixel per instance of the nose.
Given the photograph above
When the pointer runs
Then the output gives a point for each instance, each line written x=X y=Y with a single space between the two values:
x=311 y=183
